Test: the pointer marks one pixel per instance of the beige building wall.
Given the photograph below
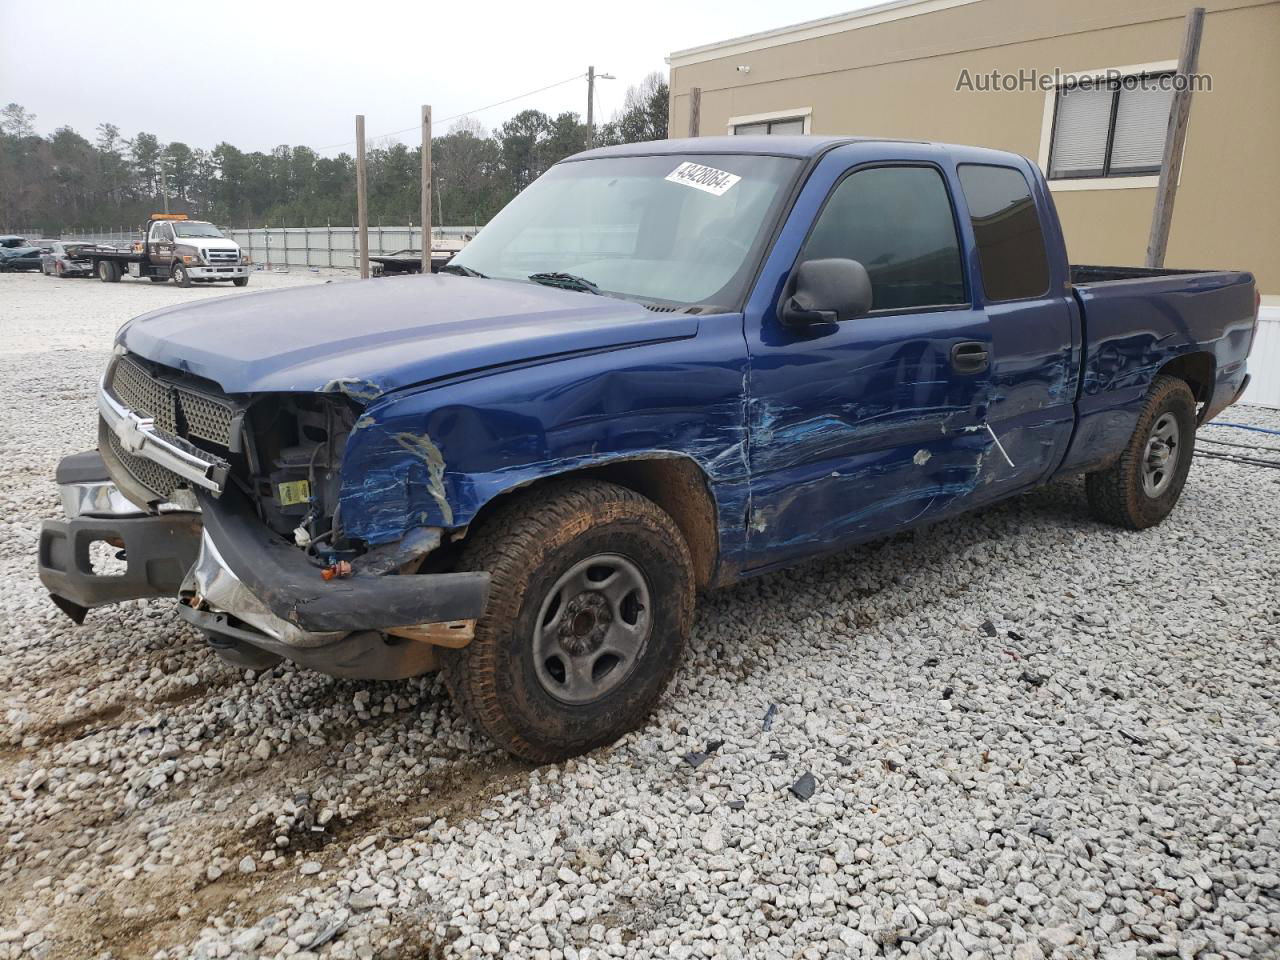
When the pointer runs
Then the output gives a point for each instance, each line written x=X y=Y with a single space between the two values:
x=898 y=78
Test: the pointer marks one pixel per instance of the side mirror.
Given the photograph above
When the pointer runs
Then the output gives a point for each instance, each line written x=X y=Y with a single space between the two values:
x=825 y=291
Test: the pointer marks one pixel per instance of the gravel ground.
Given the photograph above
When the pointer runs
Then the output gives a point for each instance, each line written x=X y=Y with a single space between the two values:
x=1026 y=734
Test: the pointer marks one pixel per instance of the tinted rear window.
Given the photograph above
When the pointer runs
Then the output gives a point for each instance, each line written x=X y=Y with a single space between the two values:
x=1007 y=228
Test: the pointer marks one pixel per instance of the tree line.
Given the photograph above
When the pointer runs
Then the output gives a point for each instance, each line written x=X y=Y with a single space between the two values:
x=63 y=181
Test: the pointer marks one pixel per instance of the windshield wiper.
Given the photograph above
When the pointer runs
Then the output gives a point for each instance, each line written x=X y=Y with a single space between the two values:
x=462 y=270
x=566 y=281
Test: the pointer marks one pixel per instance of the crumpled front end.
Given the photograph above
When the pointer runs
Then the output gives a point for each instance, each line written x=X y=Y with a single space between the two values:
x=231 y=504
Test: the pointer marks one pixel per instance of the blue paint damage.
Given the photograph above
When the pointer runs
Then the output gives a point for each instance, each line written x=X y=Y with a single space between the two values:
x=435 y=455
x=808 y=440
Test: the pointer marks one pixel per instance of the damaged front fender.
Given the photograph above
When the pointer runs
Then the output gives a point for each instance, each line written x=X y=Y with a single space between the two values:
x=435 y=456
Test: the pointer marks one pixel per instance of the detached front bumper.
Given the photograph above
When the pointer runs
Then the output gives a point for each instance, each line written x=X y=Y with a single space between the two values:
x=256 y=597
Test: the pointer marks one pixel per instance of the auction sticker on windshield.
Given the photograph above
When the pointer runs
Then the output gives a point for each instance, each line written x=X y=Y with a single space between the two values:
x=699 y=177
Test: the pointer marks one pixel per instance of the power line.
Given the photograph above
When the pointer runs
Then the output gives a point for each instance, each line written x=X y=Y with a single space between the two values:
x=467 y=113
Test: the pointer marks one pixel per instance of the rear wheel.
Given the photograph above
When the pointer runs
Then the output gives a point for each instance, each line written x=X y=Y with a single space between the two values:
x=108 y=271
x=1142 y=487
x=590 y=603
x=181 y=276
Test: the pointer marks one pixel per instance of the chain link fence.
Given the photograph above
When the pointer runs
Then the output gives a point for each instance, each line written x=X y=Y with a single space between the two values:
x=272 y=247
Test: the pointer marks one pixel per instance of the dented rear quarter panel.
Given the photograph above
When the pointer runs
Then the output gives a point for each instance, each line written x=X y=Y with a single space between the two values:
x=1134 y=328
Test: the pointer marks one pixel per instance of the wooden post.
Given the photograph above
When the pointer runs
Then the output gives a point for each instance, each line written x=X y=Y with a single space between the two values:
x=1175 y=136
x=695 y=110
x=362 y=199
x=591 y=107
x=426 y=190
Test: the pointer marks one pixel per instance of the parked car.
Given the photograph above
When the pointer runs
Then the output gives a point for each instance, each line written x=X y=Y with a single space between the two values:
x=64 y=258
x=663 y=367
x=174 y=248
x=16 y=253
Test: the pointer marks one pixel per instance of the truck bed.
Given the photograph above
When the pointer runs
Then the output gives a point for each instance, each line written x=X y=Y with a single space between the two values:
x=1137 y=321
x=1091 y=273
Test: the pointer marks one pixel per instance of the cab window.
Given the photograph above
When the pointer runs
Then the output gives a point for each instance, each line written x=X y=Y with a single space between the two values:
x=1006 y=228
x=898 y=223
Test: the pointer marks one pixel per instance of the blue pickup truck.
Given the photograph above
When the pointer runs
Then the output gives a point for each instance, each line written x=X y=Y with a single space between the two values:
x=663 y=367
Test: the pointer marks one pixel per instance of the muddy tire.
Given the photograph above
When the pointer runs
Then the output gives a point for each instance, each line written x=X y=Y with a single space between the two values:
x=590 y=604
x=1142 y=487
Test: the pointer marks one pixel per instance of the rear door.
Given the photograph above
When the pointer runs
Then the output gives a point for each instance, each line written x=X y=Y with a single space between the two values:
x=1033 y=324
x=866 y=426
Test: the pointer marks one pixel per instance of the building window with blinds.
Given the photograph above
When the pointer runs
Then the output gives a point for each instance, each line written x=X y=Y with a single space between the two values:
x=1110 y=128
x=781 y=127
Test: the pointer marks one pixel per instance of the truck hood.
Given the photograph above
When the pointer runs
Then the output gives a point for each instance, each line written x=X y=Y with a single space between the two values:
x=368 y=337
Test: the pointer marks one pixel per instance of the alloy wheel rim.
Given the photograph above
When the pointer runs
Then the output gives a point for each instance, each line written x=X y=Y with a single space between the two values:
x=592 y=629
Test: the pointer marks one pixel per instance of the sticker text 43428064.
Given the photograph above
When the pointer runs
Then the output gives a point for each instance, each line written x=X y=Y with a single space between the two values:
x=700 y=177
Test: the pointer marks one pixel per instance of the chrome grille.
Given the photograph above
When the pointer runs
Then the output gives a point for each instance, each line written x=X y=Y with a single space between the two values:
x=157 y=479
x=204 y=417
x=145 y=396
x=223 y=256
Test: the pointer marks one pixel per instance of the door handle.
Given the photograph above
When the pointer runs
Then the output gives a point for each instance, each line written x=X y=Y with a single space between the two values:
x=969 y=356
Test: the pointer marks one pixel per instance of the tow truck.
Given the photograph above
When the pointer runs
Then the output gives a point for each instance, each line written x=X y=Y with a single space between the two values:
x=175 y=248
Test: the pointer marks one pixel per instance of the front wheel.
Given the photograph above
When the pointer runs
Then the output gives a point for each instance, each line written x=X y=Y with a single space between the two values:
x=1141 y=488
x=181 y=276
x=590 y=602
x=240 y=281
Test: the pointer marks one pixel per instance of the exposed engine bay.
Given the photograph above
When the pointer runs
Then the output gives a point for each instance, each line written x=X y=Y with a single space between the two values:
x=293 y=458
x=282 y=451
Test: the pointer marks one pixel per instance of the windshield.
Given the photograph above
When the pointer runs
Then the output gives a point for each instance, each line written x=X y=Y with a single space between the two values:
x=671 y=229
x=188 y=229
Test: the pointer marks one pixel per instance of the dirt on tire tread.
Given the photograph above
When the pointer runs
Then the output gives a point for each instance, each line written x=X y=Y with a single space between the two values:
x=509 y=544
x=1113 y=493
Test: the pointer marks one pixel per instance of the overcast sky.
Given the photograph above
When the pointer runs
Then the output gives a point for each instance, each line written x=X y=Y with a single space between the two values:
x=288 y=71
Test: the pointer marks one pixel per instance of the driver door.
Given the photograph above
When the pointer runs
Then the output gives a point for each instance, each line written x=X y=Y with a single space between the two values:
x=872 y=424
x=163 y=242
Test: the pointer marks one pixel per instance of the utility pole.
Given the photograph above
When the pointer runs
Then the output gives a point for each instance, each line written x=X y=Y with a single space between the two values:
x=362 y=199
x=426 y=188
x=1175 y=136
x=591 y=106
x=592 y=77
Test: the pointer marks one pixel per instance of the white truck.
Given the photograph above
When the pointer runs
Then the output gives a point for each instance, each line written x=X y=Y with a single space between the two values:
x=174 y=248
